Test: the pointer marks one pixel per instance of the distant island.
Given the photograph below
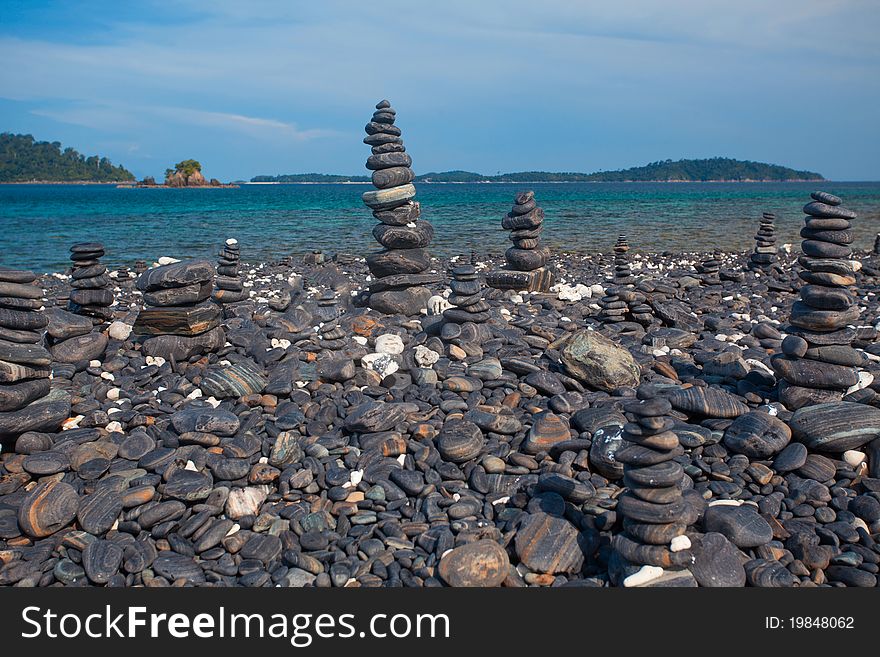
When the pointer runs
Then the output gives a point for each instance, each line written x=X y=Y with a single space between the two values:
x=716 y=169
x=24 y=160
x=185 y=174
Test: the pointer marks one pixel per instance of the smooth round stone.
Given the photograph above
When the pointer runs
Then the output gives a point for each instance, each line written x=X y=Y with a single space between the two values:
x=833 y=236
x=742 y=525
x=64 y=325
x=46 y=463
x=101 y=559
x=372 y=417
x=825 y=298
x=525 y=259
x=388 y=161
x=572 y=490
x=717 y=562
x=482 y=563
x=640 y=510
x=406 y=302
x=394 y=176
x=608 y=442
x=97 y=512
x=550 y=544
x=547 y=430
x=178 y=296
x=666 y=495
x=640 y=456
x=794 y=346
x=836 y=355
x=710 y=402
x=767 y=573
x=8 y=275
x=386 y=199
x=460 y=441
x=663 y=474
x=790 y=458
x=844 y=336
x=173 y=566
x=819 y=209
x=806 y=317
x=836 y=426
x=404 y=237
x=398 y=261
x=188 y=486
x=817 y=467
x=827 y=223
x=47 y=508
x=205 y=419
x=851 y=576
x=655 y=555
x=653 y=533
x=826 y=197
x=827 y=278
x=758 y=435
x=80 y=348
x=817 y=249
x=22 y=320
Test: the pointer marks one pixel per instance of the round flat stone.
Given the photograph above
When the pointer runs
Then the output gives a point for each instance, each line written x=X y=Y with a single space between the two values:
x=662 y=474
x=836 y=426
x=47 y=508
x=742 y=525
x=101 y=559
x=97 y=512
x=482 y=563
x=758 y=435
x=549 y=544
x=460 y=441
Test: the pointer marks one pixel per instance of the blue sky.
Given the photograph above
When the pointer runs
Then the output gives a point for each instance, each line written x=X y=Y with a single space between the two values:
x=255 y=87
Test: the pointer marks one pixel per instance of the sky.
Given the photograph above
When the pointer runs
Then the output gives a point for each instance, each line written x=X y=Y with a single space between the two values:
x=256 y=87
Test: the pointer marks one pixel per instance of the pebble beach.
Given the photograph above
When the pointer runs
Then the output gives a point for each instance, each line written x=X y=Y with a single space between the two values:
x=394 y=418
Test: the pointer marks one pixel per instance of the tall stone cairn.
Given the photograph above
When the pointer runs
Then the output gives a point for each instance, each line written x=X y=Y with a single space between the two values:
x=179 y=319
x=764 y=255
x=229 y=287
x=818 y=363
x=622 y=269
x=653 y=507
x=527 y=258
x=27 y=401
x=92 y=294
x=401 y=267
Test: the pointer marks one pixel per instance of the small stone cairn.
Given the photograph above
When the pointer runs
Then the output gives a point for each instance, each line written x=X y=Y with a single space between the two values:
x=764 y=255
x=228 y=281
x=527 y=259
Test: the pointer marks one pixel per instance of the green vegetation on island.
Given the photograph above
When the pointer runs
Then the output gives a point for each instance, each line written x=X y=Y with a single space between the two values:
x=716 y=169
x=22 y=159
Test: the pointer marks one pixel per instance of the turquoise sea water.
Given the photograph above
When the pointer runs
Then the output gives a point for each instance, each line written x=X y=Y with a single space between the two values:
x=38 y=223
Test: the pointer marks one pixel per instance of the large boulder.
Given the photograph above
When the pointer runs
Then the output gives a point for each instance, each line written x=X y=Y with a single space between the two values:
x=598 y=362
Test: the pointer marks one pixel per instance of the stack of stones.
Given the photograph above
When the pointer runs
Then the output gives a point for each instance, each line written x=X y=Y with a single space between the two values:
x=179 y=319
x=527 y=258
x=622 y=269
x=819 y=363
x=229 y=285
x=621 y=302
x=27 y=403
x=467 y=297
x=654 y=511
x=764 y=254
x=710 y=268
x=401 y=267
x=91 y=295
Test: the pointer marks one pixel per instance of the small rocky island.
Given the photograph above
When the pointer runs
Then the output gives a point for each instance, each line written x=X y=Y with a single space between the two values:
x=185 y=174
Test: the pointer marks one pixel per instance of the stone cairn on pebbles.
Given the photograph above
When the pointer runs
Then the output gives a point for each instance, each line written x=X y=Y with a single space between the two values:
x=654 y=511
x=228 y=281
x=179 y=319
x=527 y=258
x=401 y=267
x=621 y=301
x=27 y=402
x=466 y=319
x=71 y=336
x=818 y=363
x=764 y=255
x=92 y=294
x=710 y=267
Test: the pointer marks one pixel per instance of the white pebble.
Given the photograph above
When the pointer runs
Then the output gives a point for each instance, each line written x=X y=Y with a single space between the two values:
x=94 y=363
x=114 y=427
x=679 y=543
x=107 y=376
x=643 y=576
x=113 y=394
x=853 y=457
x=725 y=503
x=388 y=343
